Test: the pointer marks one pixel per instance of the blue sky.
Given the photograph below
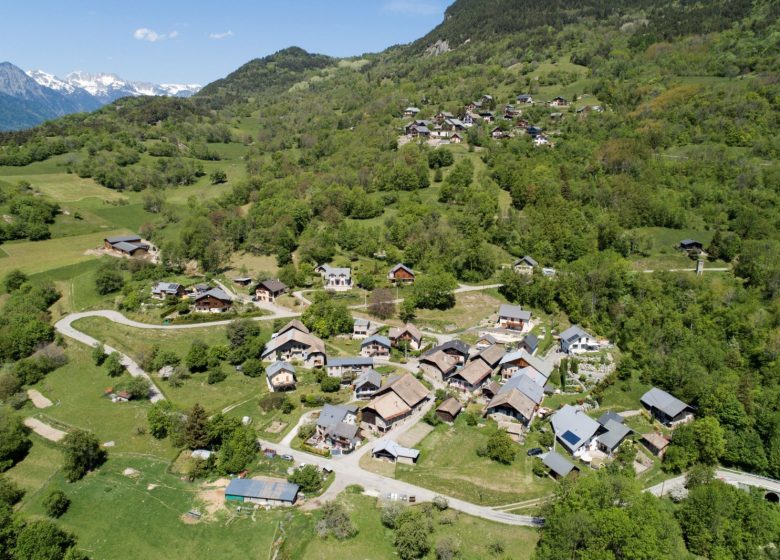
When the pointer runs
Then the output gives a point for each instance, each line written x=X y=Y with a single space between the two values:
x=198 y=41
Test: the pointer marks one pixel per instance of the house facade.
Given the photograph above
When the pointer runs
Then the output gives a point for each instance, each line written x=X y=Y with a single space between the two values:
x=164 y=290
x=470 y=377
x=395 y=401
x=294 y=345
x=268 y=290
x=335 y=279
x=368 y=384
x=349 y=368
x=513 y=317
x=213 y=301
x=408 y=334
x=376 y=346
x=401 y=274
x=525 y=265
x=281 y=376
x=575 y=340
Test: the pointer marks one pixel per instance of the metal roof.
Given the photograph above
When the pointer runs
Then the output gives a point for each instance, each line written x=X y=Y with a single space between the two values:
x=378 y=338
x=396 y=450
x=216 y=293
x=372 y=377
x=332 y=415
x=557 y=463
x=272 y=285
x=122 y=238
x=573 y=427
x=261 y=489
x=276 y=367
x=525 y=385
x=610 y=415
x=663 y=401
x=574 y=332
x=616 y=432
x=350 y=361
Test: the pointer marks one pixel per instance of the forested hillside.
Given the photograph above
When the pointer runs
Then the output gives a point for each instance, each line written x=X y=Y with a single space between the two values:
x=685 y=144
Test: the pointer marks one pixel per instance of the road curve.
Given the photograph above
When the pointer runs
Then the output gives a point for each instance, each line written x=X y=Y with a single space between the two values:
x=64 y=327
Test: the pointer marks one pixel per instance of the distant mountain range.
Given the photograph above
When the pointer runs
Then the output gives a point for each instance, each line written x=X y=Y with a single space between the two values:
x=32 y=97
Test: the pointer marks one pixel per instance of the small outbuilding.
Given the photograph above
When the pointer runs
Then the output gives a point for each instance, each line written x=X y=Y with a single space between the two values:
x=559 y=466
x=449 y=409
x=392 y=451
x=666 y=408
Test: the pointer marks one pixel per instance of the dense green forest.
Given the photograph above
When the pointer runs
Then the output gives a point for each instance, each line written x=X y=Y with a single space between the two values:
x=688 y=141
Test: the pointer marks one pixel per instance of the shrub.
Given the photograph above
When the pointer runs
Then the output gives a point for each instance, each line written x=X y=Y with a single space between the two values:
x=335 y=521
x=253 y=368
x=501 y=448
x=56 y=503
x=330 y=384
x=308 y=478
x=215 y=376
x=390 y=513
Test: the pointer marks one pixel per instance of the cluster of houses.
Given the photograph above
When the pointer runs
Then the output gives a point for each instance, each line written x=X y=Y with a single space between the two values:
x=585 y=438
x=444 y=127
x=204 y=298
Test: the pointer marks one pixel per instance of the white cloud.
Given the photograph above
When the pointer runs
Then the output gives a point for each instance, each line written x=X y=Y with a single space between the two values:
x=146 y=34
x=412 y=7
x=223 y=35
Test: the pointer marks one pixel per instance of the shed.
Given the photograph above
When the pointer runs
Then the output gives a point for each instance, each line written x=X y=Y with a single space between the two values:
x=389 y=449
x=449 y=409
x=559 y=466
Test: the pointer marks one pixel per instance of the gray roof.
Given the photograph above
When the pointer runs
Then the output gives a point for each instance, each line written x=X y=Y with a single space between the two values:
x=532 y=341
x=262 y=489
x=663 y=401
x=557 y=463
x=372 y=377
x=328 y=270
x=378 y=338
x=573 y=427
x=616 y=432
x=525 y=385
x=543 y=367
x=457 y=345
x=400 y=266
x=574 y=332
x=277 y=367
x=350 y=361
x=214 y=292
x=122 y=238
x=362 y=322
x=168 y=287
x=129 y=247
x=332 y=415
x=609 y=415
x=396 y=450
x=272 y=285
x=513 y=312
x=526 y=259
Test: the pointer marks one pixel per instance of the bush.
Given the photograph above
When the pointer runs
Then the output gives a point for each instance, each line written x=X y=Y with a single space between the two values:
x=287 y=406
x=56 y=503
x=306 y=431
x=10 y=493
x=440 y=503
x=253 y=368
x=432 y=418
x=114 y=365
x=138 y=387
x=330 y=384
x=390 y=513
x=215 y=376
x=470 y=418
x=501 y=448
x=308 y=478
x=447 y=548
x=335 y=521
x=539 y=469
x=14 y=280
x=98 y=354
x=82 y=454
x=272 y=401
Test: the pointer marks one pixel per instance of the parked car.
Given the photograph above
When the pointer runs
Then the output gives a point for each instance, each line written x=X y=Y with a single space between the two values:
x=535 y=451
x=287 y=457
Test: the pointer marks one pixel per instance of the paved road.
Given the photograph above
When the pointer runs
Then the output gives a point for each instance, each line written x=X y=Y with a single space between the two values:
x=726 y=475
x=348 y=473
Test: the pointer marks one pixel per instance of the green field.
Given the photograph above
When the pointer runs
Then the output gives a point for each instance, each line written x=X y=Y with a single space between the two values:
x=449 y=464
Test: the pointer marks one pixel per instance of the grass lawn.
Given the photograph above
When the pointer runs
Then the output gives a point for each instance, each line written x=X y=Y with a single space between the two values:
x=449 y=464
x=76 y=284
x=117 y=516
x=76 y=389
x=374 y=540
x=470 y=309
x=41 y=464
x=135 y=342
x=38 y=256
x=64 y=187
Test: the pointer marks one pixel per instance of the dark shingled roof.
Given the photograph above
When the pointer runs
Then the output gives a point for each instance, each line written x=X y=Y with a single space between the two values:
x=262 y=490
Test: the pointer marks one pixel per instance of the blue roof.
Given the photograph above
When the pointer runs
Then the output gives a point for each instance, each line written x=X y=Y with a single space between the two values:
x=261 y=489
x=378 y=338
x=351 y=361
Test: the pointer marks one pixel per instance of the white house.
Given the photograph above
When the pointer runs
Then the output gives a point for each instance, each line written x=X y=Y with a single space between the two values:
x=575 y=340
x=335 y=279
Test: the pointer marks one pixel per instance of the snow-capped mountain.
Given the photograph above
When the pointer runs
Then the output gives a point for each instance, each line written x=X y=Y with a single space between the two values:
x=109 y=87
x=29 y=98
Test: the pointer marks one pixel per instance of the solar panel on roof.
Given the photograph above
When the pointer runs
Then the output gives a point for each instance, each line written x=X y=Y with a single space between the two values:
x=570 y=437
